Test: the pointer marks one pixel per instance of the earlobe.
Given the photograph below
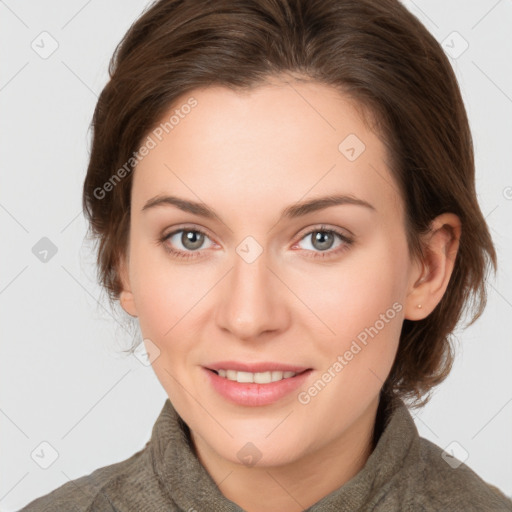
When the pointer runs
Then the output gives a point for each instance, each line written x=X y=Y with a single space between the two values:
x=127 y=302
x=431 y=277
x=126 y=298
x=415 y=308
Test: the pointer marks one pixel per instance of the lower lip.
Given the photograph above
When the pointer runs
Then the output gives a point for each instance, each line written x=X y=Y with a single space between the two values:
x=252 y=394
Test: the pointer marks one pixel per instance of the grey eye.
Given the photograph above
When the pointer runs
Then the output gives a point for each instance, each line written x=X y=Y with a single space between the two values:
x=321 y=239
x=190 y=239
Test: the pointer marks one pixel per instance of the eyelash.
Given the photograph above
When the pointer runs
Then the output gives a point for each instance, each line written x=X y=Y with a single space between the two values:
x=187 y=255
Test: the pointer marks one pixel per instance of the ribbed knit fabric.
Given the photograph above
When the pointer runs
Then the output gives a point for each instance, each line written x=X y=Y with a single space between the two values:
x=404 y=473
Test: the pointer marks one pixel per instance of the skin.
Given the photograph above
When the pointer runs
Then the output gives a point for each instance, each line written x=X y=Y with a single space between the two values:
x=248 y=156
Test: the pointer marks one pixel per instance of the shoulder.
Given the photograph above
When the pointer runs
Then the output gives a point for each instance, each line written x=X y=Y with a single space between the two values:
x=96 y=491
x=413 y=473
x=445 y=483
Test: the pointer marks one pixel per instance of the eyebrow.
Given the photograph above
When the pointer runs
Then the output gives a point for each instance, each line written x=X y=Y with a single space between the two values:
x=291 y=212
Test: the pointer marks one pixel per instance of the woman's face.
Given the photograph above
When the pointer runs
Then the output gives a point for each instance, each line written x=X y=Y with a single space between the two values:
x=261 y=279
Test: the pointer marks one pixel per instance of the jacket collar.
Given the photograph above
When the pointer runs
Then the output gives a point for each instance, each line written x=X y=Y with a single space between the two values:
x=189 y=485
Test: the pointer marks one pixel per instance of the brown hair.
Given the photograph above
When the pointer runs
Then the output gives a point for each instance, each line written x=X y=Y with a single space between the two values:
x=374 y=51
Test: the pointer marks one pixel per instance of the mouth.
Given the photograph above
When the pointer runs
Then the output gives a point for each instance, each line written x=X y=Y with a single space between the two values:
x=256 y=388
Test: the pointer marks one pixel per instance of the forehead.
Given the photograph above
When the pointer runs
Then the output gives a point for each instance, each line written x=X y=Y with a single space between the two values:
x=277 y=143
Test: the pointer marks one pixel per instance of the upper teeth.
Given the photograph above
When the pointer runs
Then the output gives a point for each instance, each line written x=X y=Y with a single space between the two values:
x=258 y=378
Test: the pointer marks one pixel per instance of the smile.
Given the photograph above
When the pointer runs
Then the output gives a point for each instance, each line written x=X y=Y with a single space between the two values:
x=255 y=389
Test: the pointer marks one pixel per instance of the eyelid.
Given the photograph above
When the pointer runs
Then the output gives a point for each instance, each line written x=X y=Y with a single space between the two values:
x=188 y=227
x=343 y=232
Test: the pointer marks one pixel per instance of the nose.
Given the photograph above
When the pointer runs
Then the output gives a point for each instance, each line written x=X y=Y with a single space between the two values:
x=252 y=300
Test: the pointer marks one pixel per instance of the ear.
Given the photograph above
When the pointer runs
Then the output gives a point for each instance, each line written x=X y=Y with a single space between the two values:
x=126 y=296
x=431 y=276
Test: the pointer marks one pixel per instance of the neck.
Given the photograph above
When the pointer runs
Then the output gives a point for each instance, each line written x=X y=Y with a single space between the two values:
x=297 y=485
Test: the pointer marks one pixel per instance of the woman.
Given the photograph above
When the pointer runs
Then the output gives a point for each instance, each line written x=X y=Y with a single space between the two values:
x=283 y=194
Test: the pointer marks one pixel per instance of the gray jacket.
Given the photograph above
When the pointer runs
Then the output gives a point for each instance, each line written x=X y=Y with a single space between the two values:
x=405 y=472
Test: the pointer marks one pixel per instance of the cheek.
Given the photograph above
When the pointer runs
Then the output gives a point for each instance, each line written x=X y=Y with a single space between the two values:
x=163 y=292
x=165 y=305
x=359 y=303
x=167 y=299
x=362 y=308
x=173 y=302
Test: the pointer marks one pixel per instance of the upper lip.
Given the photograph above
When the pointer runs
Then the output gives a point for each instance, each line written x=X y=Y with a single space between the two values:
x=256 y=367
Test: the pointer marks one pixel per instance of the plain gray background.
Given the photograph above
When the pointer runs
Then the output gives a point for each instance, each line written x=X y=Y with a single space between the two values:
x=63 y=379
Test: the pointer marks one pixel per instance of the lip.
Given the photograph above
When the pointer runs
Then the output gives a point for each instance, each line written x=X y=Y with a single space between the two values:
x=256 y=367
x=252 y=394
